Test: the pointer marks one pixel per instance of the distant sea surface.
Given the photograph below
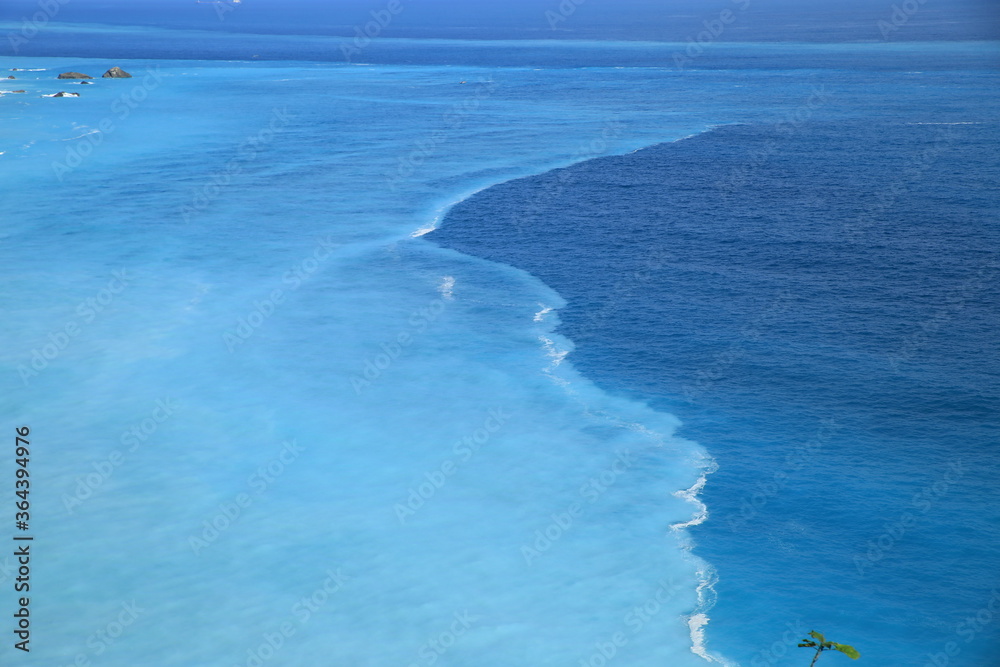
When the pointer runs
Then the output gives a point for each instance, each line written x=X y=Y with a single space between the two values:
x=627 y=20
x=503 y=353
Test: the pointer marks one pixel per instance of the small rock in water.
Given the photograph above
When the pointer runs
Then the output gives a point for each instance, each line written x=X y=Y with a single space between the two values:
x=73 y=75
x=62 y=94
x=116 y=73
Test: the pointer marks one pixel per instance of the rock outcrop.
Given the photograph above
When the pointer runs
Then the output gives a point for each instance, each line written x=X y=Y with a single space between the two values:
x=116 y=73
x=62 y=94
x=73 y=75
x=11 y=77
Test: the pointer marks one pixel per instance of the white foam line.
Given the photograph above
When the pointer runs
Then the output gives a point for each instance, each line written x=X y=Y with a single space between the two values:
x=698 y=621
x=696 y=626
x=691 y=496
x=540 y=315
x=705 y=591
x=705 y=573
x=699 y=618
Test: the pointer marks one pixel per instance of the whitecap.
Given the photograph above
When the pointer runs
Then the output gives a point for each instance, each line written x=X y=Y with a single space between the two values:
x=557 y=356
x=446 y=288
x=700 y=618
x=696 y=626
x=540 y=315
x=440 y=213
x=80 y=136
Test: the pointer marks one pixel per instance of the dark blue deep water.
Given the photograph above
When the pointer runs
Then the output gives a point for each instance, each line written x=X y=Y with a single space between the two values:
x=818 y=303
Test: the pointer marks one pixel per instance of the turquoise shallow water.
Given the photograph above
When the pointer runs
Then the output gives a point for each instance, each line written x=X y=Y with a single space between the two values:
x=288 y=427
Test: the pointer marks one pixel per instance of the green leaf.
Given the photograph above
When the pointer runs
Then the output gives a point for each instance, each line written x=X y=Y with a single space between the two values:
x=817 y=636
x=807 y=645
x=849 y=651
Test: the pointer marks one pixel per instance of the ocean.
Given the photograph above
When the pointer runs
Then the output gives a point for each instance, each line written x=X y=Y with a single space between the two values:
x=502 y=352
